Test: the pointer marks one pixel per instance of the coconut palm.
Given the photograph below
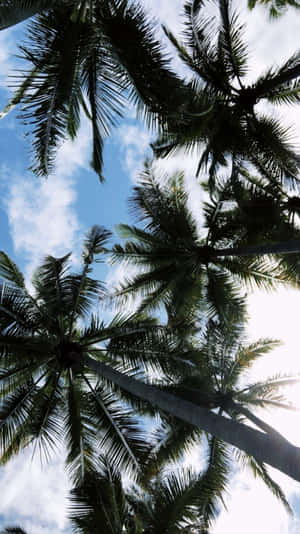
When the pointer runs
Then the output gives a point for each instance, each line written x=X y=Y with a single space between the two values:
x=86 y=56
x=46 y=395
x=171 y=503
x=181 y=265
x=276 y=7
x=100 y=504
x=216 y=54
x=59 y=379
x=217 y=379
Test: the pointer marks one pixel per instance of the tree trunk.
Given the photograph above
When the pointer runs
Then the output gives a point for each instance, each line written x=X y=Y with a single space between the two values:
x=265 y=448
x=238 y=408
x=283 y=247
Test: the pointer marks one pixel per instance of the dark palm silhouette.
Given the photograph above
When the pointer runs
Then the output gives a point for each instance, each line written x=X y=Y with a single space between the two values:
x=94 y=57
x=46 y=395
x=232 y=126
x=181 y=266
x=221 y=358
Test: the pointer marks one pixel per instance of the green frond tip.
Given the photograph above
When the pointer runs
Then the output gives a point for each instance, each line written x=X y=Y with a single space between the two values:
x=10 y=272
x=94 y=242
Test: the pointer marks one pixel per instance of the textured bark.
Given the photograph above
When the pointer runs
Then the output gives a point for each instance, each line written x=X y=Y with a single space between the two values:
x=265 y=448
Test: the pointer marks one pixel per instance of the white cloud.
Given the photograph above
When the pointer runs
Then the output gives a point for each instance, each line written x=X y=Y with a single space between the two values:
x=7 y=48
x=251 y=510
x=134 y=140
x=75 y=155
x=41 y=217
x=42 y=212
x=33 y=496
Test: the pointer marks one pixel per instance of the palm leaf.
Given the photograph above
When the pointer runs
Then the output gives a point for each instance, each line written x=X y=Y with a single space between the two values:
x=14 y=11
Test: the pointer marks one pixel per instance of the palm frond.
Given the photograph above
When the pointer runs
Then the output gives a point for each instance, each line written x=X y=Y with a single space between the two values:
x=79 y=433
x=9 y=271
x=119 y=435
x=15 y=11
x=234 y=49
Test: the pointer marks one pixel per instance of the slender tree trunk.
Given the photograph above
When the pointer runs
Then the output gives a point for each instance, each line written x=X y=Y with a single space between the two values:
x=238 y=408
x=283 y=247
x=265 y=448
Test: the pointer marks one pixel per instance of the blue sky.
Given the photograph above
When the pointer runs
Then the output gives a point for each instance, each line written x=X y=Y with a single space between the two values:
x=39 y=217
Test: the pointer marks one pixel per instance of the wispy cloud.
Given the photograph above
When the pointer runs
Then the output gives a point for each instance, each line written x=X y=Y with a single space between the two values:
x=41 y=216
x=7 y=48
x=32 y=496
x=134 y=142
x=42 y=212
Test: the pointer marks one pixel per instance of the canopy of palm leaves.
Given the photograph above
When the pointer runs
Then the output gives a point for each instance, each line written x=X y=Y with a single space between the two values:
x=46 y=395
x=218 y=379
x=171 y=503
x=216 y=54
x=90 y=56
x=182 y=267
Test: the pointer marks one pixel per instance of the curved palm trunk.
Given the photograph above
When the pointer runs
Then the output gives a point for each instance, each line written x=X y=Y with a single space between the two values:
x=265 y=448
x=257 y=421
x=282 y=247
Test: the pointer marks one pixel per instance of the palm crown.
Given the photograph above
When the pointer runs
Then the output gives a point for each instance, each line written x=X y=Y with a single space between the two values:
x=102 y=503
x=216 y=54
x=45 y=392
x=182 y=267
x=91 y=57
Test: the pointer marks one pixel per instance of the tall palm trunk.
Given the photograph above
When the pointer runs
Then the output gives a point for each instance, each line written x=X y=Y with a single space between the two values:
x=257 y=421
x=282 y=247
x=265 y=448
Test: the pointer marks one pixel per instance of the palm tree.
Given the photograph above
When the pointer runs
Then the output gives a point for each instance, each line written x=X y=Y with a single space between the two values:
x=45 y=393
x=58 y=380
x=180 y=266
x=173 y=502
x=277 y=7
x=86 y=56
x=216 y=54
x=221 y=358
